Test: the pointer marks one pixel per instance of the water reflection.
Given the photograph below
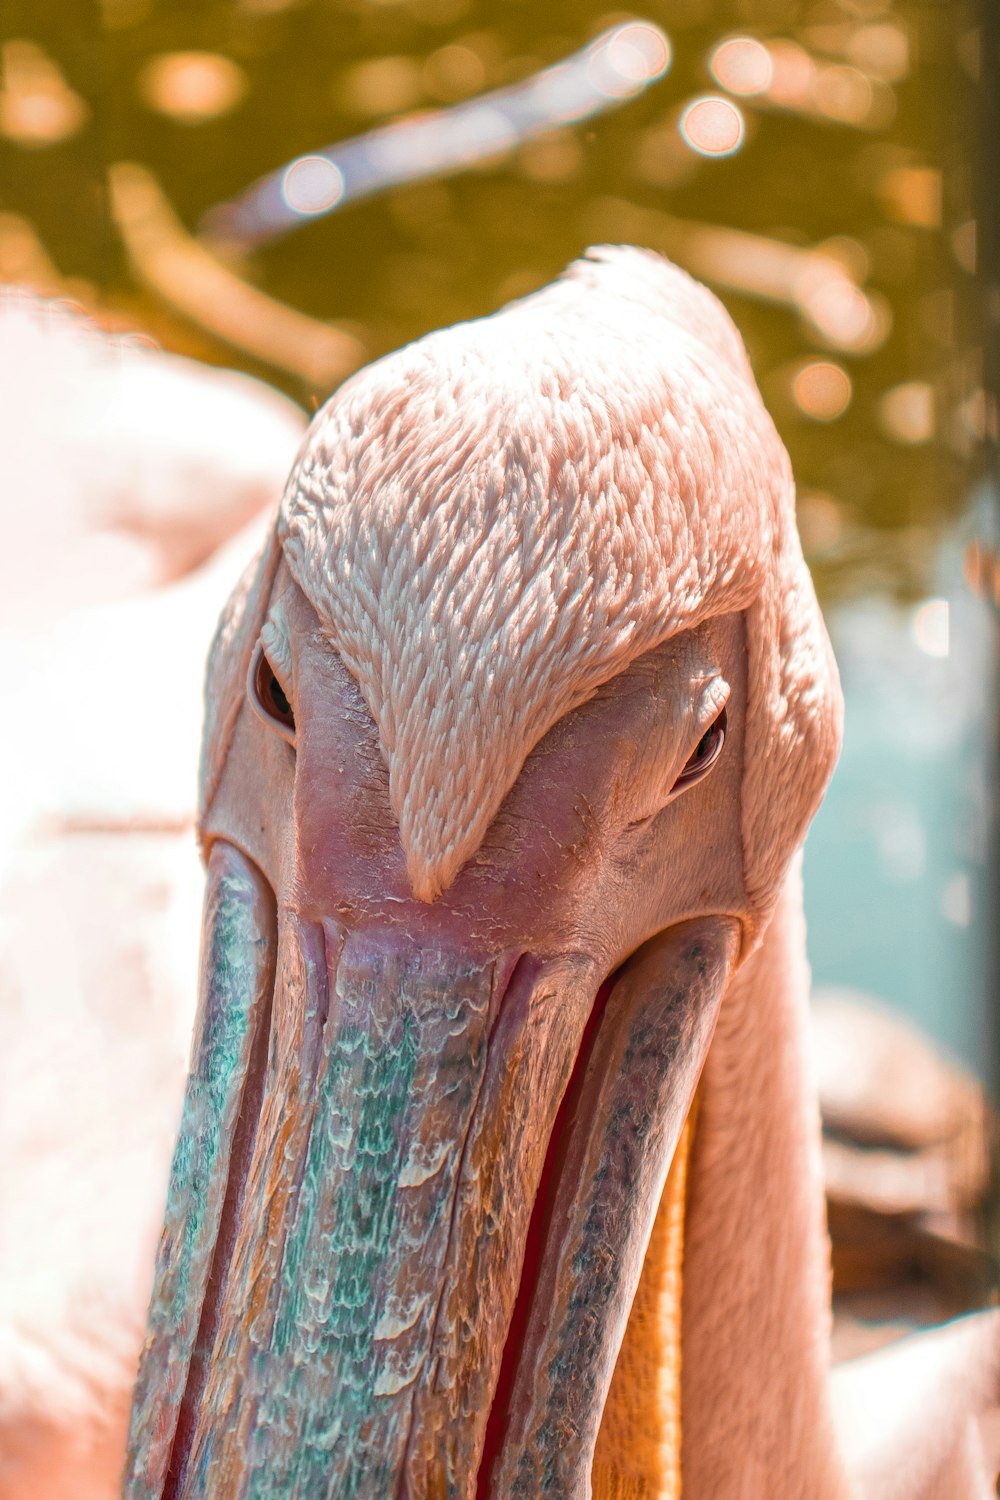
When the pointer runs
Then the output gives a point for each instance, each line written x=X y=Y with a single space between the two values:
x=620 y=64
x=194 y=281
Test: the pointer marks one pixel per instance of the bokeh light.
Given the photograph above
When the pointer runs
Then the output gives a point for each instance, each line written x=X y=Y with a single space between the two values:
x=312 y=185
x=838 y=92
x=742 y=65
x=843 y=93
x=638 y=54
x=821 y=390
x=793 y=74
x=713 y=126
x=906 y=412
x=37 y=105
x=932 y=627
x=845 y=316
x=882 y=50
x=912 y=195
x=192 y=86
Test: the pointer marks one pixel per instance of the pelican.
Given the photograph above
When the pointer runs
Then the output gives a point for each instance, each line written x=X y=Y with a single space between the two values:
x=498 y=1172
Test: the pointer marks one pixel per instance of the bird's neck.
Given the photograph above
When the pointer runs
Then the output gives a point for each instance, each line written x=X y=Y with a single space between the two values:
x=756 y=1298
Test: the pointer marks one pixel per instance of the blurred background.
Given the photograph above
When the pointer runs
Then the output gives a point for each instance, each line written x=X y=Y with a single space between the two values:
x=292 y=187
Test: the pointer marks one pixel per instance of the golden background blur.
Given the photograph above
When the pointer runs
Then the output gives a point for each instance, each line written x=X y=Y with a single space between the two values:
x=810 y=159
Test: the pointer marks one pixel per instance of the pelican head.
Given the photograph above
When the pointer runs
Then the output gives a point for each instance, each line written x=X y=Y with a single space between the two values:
x=512 y=731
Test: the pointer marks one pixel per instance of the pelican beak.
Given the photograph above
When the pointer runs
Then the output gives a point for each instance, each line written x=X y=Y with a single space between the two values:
x=414 y=1185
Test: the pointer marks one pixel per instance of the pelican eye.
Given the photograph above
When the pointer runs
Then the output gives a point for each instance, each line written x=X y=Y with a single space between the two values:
x=704 y=755
x=268 y=698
